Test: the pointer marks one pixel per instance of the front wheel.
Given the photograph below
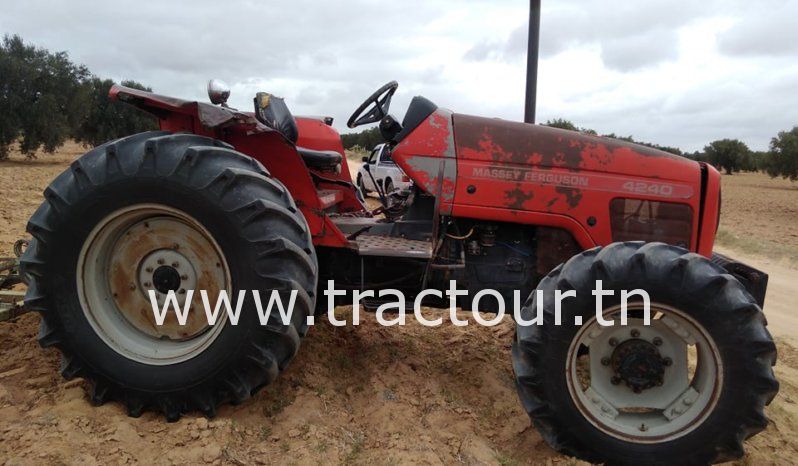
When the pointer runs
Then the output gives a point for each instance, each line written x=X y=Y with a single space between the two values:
x=687 y=388
x=361 y=185
x=167 y=214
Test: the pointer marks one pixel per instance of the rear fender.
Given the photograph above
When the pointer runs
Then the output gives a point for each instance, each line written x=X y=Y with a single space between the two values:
x=183 y=115
x=280 y=158
x=246 y=135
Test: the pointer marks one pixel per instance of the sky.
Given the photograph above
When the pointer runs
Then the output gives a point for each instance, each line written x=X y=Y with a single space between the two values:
x=673 y=72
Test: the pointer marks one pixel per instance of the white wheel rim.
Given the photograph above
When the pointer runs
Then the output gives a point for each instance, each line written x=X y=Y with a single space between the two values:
x=151 y=247
x=658 y=413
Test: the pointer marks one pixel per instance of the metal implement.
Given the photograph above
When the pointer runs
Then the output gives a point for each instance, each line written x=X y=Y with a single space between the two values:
x=11 y=304
x=11 y=301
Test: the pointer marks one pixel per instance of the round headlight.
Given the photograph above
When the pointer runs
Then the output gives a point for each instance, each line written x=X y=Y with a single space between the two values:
x=218 y=91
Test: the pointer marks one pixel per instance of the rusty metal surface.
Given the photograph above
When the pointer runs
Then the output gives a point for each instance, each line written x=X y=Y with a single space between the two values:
x=148 y=238
x=11 y=304
x=537 y=169
x=499 y=140
x=421 y=152
x=211 y=116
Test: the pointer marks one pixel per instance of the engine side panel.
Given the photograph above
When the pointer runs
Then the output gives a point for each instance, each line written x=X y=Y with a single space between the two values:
x=562 y=178
x=427 y=156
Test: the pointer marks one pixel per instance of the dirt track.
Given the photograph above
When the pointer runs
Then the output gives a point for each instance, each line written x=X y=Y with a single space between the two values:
x=354 y=395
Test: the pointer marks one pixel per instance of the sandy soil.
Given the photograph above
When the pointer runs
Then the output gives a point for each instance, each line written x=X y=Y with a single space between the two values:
x=354 y=395
x=760 y=215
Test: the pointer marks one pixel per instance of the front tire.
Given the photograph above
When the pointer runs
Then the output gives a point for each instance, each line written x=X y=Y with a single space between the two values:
x=167 y=212
x=625 y=395
x=361 y=185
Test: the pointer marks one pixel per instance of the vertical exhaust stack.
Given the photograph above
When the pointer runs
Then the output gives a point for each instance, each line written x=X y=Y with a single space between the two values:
x=532 y=61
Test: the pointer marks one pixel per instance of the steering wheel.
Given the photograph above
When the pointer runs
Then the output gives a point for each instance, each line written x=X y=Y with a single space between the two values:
x=381 y=101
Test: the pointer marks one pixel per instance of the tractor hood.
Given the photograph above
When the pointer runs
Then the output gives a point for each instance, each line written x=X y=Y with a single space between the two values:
x=520 y=144
x=505 y=171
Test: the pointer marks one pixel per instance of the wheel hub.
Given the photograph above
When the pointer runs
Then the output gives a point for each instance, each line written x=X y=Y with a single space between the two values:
x=638 y=363
x=633 y=381
x=165 y=279
x=132 y=262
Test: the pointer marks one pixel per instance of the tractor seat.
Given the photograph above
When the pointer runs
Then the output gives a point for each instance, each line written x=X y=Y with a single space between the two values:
x=273 y=112
x=325 y=160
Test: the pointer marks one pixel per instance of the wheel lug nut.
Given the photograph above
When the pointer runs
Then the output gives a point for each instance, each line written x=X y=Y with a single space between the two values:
x=635 y=333
x=147 y=284
x=605 y=361
x=643 y=428
x=161 y=262
x=657 y=341
x=613 y=341
x=615 y=380
x=175 y=265
x=148 y=270
x=184 y=277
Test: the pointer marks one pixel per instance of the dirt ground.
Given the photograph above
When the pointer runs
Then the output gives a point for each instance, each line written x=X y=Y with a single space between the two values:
x=760 y=215
x=354 y=395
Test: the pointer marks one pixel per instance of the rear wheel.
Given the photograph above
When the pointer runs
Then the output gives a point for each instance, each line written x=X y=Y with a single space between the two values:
x=168 y=213
x=688 y=388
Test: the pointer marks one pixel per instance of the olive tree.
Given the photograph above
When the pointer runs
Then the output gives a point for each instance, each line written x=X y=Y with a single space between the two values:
x=783 y=157
x=42 y=94
x=727 y=154
x=105 y=119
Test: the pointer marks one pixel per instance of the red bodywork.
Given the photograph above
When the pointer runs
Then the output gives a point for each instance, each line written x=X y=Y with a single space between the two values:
x=479 y=168
x=491 y=169
x=278 y=155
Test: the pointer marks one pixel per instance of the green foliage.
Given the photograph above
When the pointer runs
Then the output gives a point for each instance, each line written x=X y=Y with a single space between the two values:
x=783 y=158
x=41 y=94
x=46 y=99
x=106 y=120
x=697 y=156
x=754 y=161
x=366 y=139
x=727 y=154
x=561 y=123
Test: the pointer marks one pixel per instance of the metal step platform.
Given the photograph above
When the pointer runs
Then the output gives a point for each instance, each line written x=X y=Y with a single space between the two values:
x=392 y=246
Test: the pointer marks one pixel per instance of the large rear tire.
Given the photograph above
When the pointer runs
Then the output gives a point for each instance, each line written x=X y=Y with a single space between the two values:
x=167 y=212
x=633 y=394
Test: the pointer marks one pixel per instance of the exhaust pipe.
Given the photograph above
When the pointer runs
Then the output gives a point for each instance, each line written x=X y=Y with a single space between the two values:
x=532 y=61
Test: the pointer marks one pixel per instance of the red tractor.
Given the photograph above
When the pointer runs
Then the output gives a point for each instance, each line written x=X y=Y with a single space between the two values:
x=226 y=200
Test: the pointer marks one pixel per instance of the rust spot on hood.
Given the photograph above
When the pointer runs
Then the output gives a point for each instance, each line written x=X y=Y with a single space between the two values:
x=496 y=140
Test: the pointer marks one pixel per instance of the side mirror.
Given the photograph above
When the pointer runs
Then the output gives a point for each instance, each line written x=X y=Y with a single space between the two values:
x=365 y=160
x=218 y=92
